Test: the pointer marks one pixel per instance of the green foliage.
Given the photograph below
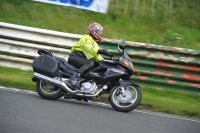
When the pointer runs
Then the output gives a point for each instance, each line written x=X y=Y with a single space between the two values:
x=172 y=37
x=169 y=22
x=150 y=26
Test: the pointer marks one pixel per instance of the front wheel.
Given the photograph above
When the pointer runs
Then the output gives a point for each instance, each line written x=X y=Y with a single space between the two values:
x=125 y=102
x=48 y=91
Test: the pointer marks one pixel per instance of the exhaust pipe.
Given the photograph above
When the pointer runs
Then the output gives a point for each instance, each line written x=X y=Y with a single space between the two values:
x=63 y=85
x=54 y=82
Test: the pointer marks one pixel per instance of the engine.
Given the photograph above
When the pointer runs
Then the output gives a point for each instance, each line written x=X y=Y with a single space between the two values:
x=89 y=87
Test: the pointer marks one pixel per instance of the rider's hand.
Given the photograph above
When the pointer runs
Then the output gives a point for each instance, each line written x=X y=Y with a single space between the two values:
x=105 y=52
x=110 y=54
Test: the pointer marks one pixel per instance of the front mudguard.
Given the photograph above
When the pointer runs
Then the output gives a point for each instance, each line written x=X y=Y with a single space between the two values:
x=125 y=83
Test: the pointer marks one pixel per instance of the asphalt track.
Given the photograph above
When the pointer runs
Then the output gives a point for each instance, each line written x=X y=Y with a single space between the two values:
x=26 y=112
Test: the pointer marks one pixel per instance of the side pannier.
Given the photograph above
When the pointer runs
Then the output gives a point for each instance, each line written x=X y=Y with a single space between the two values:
x=47 y=65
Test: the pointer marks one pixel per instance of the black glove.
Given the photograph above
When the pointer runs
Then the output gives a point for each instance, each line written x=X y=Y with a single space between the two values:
x=105 y=52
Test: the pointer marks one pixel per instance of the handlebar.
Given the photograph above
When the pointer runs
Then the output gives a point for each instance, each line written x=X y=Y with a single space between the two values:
x=113 y=58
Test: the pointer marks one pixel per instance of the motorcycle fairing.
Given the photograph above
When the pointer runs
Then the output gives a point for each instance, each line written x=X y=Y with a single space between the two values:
x=105 y=72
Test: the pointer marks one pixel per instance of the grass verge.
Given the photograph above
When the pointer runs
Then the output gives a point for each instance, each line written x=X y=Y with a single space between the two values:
x=116 y=25
x=167 y=101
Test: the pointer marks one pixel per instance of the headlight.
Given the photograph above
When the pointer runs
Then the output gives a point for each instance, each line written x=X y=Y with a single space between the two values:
x=126 y=63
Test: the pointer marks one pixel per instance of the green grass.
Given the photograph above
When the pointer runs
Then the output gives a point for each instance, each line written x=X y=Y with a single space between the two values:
x=16 y=78
x=155 y=30
x=172 y=102
x=168 y=101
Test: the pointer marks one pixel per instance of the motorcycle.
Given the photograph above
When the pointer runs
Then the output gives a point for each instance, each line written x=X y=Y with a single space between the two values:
x=112 y=77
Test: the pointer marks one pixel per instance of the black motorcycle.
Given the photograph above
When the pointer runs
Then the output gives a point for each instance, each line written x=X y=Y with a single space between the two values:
x=110 y=77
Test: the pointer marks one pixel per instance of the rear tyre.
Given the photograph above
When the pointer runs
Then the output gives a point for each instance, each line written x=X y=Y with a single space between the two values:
x=48 y=91
x=127 y=102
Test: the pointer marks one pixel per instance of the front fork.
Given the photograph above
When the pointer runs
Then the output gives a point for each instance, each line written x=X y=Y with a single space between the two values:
x=121 y=83
x=124 y=83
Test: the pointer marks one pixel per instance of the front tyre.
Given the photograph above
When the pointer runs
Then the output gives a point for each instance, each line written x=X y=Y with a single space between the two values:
x=48 y=91
x=127 y=102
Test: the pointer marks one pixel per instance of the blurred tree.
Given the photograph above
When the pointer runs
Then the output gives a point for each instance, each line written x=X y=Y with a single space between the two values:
x=136 y=6
x=166 y=8
x=153 y=8
x=117 y=2
x=171 y=9
x=183 y=12
x=126 y=7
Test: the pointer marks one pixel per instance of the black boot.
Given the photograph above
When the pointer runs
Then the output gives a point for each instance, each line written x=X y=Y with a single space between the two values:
x=74 y=80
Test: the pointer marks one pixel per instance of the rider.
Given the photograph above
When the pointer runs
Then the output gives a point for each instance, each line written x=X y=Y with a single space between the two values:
x=86 y=52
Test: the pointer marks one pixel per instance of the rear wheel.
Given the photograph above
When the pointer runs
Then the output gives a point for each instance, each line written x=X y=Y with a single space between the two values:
x=48 y=91
x=125 y=102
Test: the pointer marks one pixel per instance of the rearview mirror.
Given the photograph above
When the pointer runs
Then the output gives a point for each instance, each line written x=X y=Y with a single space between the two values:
x=121 y=46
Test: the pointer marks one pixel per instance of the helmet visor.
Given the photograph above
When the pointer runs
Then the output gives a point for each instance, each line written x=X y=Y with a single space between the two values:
x=99 y=31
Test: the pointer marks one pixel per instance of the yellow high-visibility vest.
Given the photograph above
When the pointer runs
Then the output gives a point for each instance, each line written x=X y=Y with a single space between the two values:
x=89 y=47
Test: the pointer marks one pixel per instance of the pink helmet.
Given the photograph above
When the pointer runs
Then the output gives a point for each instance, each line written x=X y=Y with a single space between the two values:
x=96 y=31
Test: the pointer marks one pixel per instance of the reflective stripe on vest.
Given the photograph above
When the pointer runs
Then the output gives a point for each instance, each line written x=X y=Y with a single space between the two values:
x=84 y=51
x=93 y=46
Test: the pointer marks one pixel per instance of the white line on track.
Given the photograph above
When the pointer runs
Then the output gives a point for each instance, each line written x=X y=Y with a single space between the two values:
x=103 y=104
